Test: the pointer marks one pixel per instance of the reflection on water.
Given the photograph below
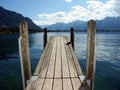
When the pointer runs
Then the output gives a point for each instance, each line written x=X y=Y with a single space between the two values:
x=108 y=58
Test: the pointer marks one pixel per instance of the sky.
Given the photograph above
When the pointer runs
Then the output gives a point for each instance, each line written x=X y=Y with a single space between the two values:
x=47 y=12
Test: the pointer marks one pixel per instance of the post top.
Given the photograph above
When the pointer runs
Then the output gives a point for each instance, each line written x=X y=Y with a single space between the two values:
x=23 y=22
x=71 y=29
x=92 y=21
x=23 y=27
x=45 y=29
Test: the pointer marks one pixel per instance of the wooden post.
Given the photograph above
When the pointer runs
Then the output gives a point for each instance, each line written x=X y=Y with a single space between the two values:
x=72 y=37
x=91 y=62
x=45 y=37
x=24 y=53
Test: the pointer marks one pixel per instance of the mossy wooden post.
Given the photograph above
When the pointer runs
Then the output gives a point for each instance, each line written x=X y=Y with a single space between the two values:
x=91 y=44
x=24 y=53
x=72 y=37
x=45 y=37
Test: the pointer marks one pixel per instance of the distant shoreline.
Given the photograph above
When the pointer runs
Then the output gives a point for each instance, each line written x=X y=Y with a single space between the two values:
x=83 y=31
x=16 y=31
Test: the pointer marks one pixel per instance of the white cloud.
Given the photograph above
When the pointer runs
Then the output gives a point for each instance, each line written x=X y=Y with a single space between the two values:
x=98 y=10
x=47 y=19
x=68 y=1
x=95 y=10
x=117 y=6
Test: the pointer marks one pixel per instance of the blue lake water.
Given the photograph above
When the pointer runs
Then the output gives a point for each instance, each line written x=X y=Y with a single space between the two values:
x=107 y=55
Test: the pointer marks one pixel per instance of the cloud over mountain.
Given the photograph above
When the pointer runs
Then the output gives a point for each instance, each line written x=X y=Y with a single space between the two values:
x=109 y=23
x=95 y=9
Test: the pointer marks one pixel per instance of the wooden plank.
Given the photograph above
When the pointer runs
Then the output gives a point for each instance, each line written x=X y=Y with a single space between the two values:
x=71 y=65
x=36 y=85
x=76 y=83
x=37 y=70
x=31 y=85
x=47 y=56
x=48 y=84
x=44 y=67
x=57 y=84
x=58 y=60
x=39 y=84
x=65 y=71
x=50 y=72
x=74 y=57
x=67 y=84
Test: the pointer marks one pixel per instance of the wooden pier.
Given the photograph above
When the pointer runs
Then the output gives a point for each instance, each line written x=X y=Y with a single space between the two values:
x=58 y=67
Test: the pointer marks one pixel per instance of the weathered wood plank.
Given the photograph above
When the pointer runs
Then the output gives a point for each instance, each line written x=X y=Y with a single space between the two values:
x=39 y=84
x=37 y=70
x=47 y=56
x=74 y=57
x=31 y=85
x=48 y=84
x=36 y=85
x=65 y=71
x=57 y=84
x=71 y=65
x=58 y=60
x=50 y=72
x=76 y=83
x=67 y=84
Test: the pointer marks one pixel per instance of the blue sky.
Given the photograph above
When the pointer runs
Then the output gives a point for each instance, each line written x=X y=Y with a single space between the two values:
x=46 y=12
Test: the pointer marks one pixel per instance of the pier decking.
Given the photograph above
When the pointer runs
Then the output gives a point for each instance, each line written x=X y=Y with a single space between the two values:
x=58 y=67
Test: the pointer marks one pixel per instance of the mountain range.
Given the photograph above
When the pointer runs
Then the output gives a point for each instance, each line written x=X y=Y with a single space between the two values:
x=109 y=23
x=11 y=20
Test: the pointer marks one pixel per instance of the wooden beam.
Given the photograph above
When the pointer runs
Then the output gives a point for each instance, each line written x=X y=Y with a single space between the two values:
x=91 y=44
x=45 y=37
x=24 y=53
x=72 y=37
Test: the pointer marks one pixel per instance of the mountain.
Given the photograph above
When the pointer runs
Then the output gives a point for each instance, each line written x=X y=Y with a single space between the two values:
x=57 y=26
x=67 y=26
x=109 y=23
x=11 y=20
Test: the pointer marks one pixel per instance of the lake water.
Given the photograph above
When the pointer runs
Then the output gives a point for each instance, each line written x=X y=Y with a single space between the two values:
x=107 y=54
